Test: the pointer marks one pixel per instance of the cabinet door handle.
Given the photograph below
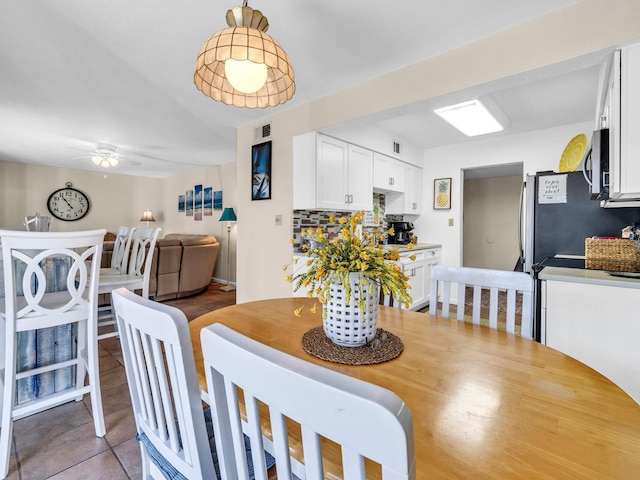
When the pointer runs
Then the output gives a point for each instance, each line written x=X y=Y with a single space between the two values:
x=346 y=198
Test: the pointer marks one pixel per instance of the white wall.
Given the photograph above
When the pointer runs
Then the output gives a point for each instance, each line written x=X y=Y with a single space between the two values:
x=114 y=199
x=119 y=200
x=263 y=248
x=539 y=150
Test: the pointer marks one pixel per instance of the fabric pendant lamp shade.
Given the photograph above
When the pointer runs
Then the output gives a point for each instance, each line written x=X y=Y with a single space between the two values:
x=228 y=215
x=242 y=65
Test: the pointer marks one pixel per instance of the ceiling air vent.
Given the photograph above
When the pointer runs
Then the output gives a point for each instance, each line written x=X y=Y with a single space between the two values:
x=262 y=132
x=396 y=148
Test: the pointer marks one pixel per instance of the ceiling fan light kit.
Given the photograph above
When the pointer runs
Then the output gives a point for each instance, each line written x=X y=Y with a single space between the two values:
x=242 y=65
x=105 y=156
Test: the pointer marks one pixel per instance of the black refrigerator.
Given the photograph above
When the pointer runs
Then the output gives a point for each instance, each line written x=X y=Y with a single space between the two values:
x=558 y=215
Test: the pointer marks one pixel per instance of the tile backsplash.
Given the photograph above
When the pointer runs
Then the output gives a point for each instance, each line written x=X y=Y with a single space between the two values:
x=304 y=219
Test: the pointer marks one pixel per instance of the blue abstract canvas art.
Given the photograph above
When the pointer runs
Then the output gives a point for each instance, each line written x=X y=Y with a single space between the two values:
x=261 y=171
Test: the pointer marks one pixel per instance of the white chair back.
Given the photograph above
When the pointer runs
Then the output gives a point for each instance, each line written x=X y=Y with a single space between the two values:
x=143 y=244
x=443 y=277
x=161 y=373
x=365 y=420
x=137 y=277
x=50 y=298
x=121 y=249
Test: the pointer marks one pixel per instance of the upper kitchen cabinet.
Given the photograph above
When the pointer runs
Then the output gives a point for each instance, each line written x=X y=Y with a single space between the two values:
x=330 y=174
x=388 y=173
x=409 y=202
x=621 y=115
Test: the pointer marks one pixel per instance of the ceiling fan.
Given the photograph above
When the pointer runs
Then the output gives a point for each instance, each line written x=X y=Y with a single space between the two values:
x=104 y=155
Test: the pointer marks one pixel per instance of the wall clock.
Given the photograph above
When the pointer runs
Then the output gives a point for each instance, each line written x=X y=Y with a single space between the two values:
x=68 y=204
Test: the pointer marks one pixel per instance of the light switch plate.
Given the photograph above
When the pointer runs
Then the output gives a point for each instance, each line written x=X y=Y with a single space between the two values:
x=451 y=222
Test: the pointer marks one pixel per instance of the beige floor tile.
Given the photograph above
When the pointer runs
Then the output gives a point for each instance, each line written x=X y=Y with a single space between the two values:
x=43 y=459
x=129 y=455
x=121 y=426
x=112 y=377
x=47 y=426
x=113 y=398
x=101 y=467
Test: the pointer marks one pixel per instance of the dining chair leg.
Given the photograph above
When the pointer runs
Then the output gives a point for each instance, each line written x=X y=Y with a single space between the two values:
x=6 y=424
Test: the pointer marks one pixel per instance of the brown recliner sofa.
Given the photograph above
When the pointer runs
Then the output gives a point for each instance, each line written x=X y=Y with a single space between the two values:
x=183 y=265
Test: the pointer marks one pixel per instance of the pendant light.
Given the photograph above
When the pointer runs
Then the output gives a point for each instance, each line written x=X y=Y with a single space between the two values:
x=242 y=65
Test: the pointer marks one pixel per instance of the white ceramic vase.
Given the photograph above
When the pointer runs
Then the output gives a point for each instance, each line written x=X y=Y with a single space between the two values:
x=344 y=323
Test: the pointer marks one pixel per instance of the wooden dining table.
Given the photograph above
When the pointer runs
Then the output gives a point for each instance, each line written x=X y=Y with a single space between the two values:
x=485 y=404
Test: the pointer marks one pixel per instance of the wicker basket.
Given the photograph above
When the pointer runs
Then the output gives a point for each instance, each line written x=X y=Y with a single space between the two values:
x=612 y=254
x=344 y=323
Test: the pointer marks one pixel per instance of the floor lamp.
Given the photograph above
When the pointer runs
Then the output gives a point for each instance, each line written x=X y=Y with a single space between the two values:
x=228 y=215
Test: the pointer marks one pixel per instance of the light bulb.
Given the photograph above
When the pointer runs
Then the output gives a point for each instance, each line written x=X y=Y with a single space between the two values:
x=96 y=159
x=245 y=75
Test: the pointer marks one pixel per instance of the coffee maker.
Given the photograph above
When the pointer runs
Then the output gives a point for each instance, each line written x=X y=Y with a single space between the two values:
x=402 y=233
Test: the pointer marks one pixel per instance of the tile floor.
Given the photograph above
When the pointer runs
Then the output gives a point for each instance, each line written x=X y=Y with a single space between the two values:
x=60 y=443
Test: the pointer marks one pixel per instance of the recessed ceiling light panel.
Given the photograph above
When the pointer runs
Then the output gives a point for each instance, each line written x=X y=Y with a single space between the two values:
x=472 y=118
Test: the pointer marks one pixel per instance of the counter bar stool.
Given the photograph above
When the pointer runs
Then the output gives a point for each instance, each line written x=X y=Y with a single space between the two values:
x=137 y=277
x=50 y=292
x=121 y=250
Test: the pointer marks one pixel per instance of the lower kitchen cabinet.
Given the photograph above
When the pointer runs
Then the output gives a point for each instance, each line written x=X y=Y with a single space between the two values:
x=597 y=324
x=419 y=273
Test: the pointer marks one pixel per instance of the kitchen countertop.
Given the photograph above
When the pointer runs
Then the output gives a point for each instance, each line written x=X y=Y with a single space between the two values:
x=595 y=277
x=401 y=248
x=417 y=246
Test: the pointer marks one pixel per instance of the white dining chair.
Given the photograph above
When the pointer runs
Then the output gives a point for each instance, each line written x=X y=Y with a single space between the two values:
x=121 y=251
x=366 y=421
x=175 y=434
x=443 y=277
x=137 y=278
x=49 y=327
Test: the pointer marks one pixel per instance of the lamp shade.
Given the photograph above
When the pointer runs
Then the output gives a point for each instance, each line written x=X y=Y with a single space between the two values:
x=228 y=215
x=259 y=73
x=147 y=216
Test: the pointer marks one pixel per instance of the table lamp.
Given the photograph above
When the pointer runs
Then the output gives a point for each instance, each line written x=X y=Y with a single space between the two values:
x=228 y=215
x=147 y=216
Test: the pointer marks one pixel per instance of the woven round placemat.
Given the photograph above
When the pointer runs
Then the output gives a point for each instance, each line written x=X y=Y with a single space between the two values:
x=387 y=347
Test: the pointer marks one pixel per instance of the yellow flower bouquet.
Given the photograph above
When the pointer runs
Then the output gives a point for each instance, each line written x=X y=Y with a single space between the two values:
x=333 y=258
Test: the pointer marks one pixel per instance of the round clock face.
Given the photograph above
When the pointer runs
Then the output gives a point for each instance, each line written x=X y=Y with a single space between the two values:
x=68 y=204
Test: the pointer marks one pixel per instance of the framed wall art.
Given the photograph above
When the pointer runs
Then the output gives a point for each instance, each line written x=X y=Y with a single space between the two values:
x=442 y=193
x=261 y=171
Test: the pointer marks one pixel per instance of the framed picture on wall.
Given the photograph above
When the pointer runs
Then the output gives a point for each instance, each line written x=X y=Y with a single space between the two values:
x=261 y=171
x=442 y=193
x=180 y=203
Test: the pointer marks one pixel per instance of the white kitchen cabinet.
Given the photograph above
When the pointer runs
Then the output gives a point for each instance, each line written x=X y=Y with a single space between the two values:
x=621 y=114
x=388 y=173
x=330 y=174
x=419 y=273
x=413 y=190
x=409 y=202
x=596 y=324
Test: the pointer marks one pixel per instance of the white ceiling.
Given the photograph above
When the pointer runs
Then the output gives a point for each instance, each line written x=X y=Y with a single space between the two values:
x=74 y=73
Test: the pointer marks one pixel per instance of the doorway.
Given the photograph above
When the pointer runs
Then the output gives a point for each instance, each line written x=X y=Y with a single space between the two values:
x=490 y=216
